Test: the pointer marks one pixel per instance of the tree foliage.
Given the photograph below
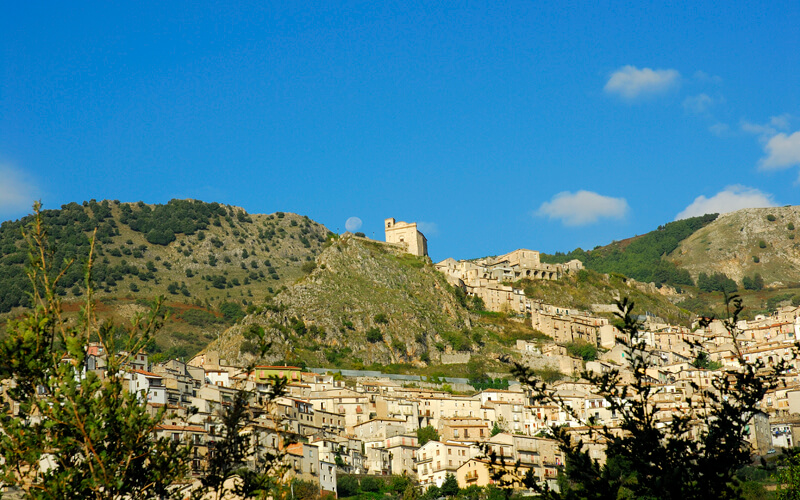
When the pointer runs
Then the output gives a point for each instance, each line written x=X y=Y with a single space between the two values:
x=582 y=349
x=694 y=455
x=717 y=282
x=754 y=283
x=427 y=433
x=76 y=434
x=641 y=257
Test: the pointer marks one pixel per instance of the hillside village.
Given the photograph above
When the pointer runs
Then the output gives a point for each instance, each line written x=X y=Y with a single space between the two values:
x=371 y=425
x=374 y=425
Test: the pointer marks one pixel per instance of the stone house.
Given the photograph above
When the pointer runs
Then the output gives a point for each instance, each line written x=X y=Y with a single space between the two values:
x=471 y=429
x=436 y=459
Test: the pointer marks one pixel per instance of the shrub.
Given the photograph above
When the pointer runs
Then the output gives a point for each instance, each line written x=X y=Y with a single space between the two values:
x=231 y=311
x=717 y=282
x=371 y=484
x=756 y=259
x=582 y=349
x=754 y=283
x=790 y=226
x=346 y=486
x=381 y=318
x=459 y=340
x=762 y=244
x=425 y=434
x=770 y=217
x=198 y=317
x=374 y=335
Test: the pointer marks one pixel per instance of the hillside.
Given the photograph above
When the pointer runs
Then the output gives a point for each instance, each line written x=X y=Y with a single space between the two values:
x=355 y=303
x=210 y=261
x=641 y=257
x=586 y=288
x=743 y=243
x=366 y=302
x=368 y=305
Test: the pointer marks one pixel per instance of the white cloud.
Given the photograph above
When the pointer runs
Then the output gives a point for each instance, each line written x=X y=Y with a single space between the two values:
x=353 y=224
x=698 y=104
x=582 y=208
x=428 y=228
x=782 y=151
x=758 y=129
x=17 y=192
x=730 y=199
x=630 y=82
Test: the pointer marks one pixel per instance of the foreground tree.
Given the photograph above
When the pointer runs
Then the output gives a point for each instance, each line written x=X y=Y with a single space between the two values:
x=68 y=432
x=692 y=455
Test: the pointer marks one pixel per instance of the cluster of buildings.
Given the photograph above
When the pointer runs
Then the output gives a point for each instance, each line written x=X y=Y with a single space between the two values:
x=370 y=425
x=491 y=278
x=672 y=351
x=365 y=426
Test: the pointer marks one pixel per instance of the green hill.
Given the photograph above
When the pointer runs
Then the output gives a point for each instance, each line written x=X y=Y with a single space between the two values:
x=641 y=257
x=210 y=261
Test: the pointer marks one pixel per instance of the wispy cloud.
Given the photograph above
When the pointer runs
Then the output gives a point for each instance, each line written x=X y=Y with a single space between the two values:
x=767 y=130
x=720 y=129
x=730 y=199
x=701 y=104
x=428 y=228
x=630 y=82
x=698 y=104
x=582 y=208
x=703 y=77
x=17 y=191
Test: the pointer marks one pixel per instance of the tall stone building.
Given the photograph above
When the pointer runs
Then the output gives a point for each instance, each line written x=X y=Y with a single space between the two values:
x=406 y=234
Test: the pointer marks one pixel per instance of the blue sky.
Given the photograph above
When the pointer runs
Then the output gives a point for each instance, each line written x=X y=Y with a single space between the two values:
x=497 y=125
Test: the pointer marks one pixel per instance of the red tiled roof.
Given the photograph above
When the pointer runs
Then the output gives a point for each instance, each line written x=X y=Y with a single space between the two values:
x=171 y=427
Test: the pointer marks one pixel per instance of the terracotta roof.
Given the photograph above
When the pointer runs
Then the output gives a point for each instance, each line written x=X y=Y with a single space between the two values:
x=295 y=449
x=189 y=428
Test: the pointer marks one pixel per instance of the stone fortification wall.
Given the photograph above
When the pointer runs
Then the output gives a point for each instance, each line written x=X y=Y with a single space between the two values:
x=456 y=358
